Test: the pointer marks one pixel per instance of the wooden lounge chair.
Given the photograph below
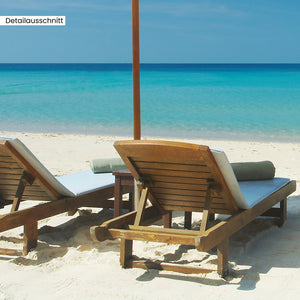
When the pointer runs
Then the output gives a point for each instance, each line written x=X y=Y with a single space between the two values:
x=191 y=178
x=23 y=177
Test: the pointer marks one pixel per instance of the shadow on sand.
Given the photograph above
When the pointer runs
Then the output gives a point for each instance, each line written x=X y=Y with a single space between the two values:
x=254 y=250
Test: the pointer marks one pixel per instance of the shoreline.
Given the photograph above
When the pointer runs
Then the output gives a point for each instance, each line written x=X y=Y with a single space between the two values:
x=176 y=135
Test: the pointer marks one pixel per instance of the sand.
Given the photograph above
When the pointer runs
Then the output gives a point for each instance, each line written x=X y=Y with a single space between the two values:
x=265 y=259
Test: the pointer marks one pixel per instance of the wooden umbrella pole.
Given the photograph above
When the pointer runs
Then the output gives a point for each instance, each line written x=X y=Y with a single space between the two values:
x=136 y=70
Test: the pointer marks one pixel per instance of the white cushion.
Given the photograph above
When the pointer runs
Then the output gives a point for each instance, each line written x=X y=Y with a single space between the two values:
x=246 y=193
x=84 y=182
x=226 y=169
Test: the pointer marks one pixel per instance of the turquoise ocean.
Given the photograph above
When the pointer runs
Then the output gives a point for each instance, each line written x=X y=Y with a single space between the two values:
x=223 y=101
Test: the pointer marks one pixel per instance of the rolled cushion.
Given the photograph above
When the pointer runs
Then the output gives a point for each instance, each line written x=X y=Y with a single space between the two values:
x=107 y=165
x=246 y=171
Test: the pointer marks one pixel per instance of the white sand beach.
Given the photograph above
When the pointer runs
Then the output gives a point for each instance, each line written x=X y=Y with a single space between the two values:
x=67 y=264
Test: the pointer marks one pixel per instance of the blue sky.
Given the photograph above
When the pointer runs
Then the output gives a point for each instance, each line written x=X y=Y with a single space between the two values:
x=181 y=31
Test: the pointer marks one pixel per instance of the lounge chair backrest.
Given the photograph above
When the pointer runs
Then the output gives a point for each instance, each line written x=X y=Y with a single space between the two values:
x=15 y=158
x=178 y=174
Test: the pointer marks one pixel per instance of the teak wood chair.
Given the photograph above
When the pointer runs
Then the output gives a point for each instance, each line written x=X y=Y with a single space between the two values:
x=191 y=178
x=23 y=177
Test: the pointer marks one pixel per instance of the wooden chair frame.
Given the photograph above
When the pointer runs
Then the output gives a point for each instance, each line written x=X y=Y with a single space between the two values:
x=20 y=181
x=147 y=161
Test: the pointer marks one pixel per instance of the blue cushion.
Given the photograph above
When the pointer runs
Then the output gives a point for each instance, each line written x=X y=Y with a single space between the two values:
x=256 y=190
x=86 y=181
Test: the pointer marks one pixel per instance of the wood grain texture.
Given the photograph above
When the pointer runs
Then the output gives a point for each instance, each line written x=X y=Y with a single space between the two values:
x=20 y=181
x=177 y=172
x=183 y=177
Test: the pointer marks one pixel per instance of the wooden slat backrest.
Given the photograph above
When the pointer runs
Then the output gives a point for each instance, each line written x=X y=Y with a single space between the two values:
x=177 y=174
x=12 y=166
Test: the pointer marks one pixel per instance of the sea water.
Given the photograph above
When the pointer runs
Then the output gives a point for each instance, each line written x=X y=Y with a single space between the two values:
x=235 y=101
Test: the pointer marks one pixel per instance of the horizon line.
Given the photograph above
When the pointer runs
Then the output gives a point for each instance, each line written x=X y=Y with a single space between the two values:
x=157 y=63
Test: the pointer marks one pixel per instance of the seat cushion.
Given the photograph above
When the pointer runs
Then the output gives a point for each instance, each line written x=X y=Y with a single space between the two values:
x=255 y=191
x=246 y=193
x=68 y=185
x=86 y=181
x=38 y=166
x=229 y=177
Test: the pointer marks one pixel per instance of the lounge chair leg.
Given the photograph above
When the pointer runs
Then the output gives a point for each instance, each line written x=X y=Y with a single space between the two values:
x=188 y=220
x=223 y=258
x=30 y=236
x=125 y=253
x=1 y=202
x=211 y=217
x=131 y=202
x=167 y=220
x=283 y=211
